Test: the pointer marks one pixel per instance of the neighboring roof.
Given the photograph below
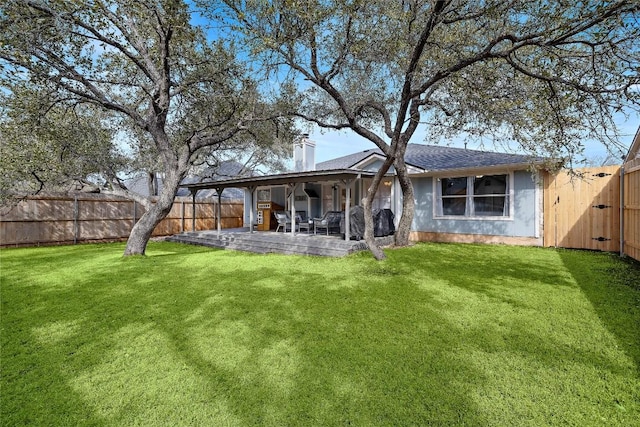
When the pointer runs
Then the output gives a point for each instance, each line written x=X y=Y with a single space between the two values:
x=210 y=193
x=633 y=156
x=437 y=158
x=138 y=184
x=226 y=170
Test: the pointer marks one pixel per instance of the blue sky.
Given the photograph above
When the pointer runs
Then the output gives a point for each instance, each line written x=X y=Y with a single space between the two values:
x=332 y=144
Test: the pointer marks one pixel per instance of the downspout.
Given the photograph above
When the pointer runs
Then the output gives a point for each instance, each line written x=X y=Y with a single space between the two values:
x=622 y=210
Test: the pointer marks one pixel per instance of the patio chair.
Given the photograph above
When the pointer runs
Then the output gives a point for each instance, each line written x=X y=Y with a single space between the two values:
x=283 y=221
x=330 y=221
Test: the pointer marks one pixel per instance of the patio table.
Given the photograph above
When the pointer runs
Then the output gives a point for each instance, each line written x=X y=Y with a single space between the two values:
x=304 y=225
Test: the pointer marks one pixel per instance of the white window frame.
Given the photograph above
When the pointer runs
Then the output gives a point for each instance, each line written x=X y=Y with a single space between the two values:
x=469 y=199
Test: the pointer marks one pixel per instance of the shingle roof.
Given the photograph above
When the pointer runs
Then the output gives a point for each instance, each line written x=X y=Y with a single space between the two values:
x=347 y=161
x=226 y=170
x=436 y=158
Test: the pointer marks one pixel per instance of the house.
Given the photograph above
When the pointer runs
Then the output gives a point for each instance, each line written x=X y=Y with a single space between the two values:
x=150 y=184
x=630 y=203
x=632 y=159
x=460 y=194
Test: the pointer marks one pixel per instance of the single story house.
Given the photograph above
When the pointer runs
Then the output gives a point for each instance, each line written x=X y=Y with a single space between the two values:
x=461 y=195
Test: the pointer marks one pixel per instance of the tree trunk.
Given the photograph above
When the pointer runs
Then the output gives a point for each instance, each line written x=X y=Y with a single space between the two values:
x=142 y=230
x=408 y=204
x=369 y=236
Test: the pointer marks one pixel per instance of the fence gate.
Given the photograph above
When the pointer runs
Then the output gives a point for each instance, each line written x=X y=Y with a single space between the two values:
x=583 y=212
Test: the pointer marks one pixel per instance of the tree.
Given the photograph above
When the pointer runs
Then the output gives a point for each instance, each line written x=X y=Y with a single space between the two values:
x=171 y=93
x=547 y=75
x=49 y=152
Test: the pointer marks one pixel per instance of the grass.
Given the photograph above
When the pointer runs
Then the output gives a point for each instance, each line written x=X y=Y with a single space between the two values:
x=436 y=334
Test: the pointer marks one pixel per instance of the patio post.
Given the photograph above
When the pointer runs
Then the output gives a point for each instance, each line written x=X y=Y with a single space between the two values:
x=251 y=189
x=193 y=210
x=292 y=206
x=347 y=209
x=219 y=191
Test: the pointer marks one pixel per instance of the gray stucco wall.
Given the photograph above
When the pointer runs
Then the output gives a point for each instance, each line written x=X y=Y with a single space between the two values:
x=522 y=224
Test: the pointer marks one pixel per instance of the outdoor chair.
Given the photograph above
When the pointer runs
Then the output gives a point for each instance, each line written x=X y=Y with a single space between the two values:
x=330 y=221
x=283 y=221
x=302 y=222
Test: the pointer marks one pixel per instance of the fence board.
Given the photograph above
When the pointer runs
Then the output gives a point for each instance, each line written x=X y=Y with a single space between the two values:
x=631 y=212
x=583 y=212
x=58 y=219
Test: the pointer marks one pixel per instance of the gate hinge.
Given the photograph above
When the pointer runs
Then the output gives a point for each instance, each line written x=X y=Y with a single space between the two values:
x=601 y=206
x=600 y=239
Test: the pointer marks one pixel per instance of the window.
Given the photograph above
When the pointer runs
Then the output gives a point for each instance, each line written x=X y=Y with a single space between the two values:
x=382 y=198
x=454 y=196
x=473 y=196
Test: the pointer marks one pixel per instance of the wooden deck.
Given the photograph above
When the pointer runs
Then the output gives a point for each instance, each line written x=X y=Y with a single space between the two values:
x=272 y=242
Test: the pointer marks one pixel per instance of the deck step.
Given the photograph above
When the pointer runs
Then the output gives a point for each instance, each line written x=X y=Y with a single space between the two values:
x=270 y=242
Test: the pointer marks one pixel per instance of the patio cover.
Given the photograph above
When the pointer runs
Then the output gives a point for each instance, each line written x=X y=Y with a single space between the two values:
x=346 y=176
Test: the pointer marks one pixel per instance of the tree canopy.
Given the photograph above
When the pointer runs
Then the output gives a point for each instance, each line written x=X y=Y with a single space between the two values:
x=175 y=96
x=50 y=150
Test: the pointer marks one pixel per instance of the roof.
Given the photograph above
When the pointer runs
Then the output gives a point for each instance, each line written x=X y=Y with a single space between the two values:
x=281 y=179
x=437 y=158
x=426 y=158
x=225 y=170
x=633 y=156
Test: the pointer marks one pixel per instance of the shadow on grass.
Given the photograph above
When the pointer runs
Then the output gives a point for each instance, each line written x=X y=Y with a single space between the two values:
x=229 y=339
x=612 y=286
x=219 y=337
x=556 y=311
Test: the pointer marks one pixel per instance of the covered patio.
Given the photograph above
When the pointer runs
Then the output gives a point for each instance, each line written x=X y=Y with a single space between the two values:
x=291 y=181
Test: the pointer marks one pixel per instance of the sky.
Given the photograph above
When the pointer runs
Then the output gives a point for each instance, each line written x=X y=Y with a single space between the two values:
x=332 y=144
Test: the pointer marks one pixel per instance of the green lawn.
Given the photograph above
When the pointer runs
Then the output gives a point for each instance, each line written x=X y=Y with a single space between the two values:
x=437 y=334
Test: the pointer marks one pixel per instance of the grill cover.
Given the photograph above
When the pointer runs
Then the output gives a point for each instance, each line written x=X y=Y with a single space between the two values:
x=383 y=223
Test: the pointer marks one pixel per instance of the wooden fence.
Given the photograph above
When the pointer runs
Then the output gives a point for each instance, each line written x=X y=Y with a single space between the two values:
x=590 y=212
x=631 y=209
x=45 y=220
x=583 y=212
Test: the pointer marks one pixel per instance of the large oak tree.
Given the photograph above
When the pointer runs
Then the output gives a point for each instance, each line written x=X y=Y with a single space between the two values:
x=163 y=87
x=546 y=75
